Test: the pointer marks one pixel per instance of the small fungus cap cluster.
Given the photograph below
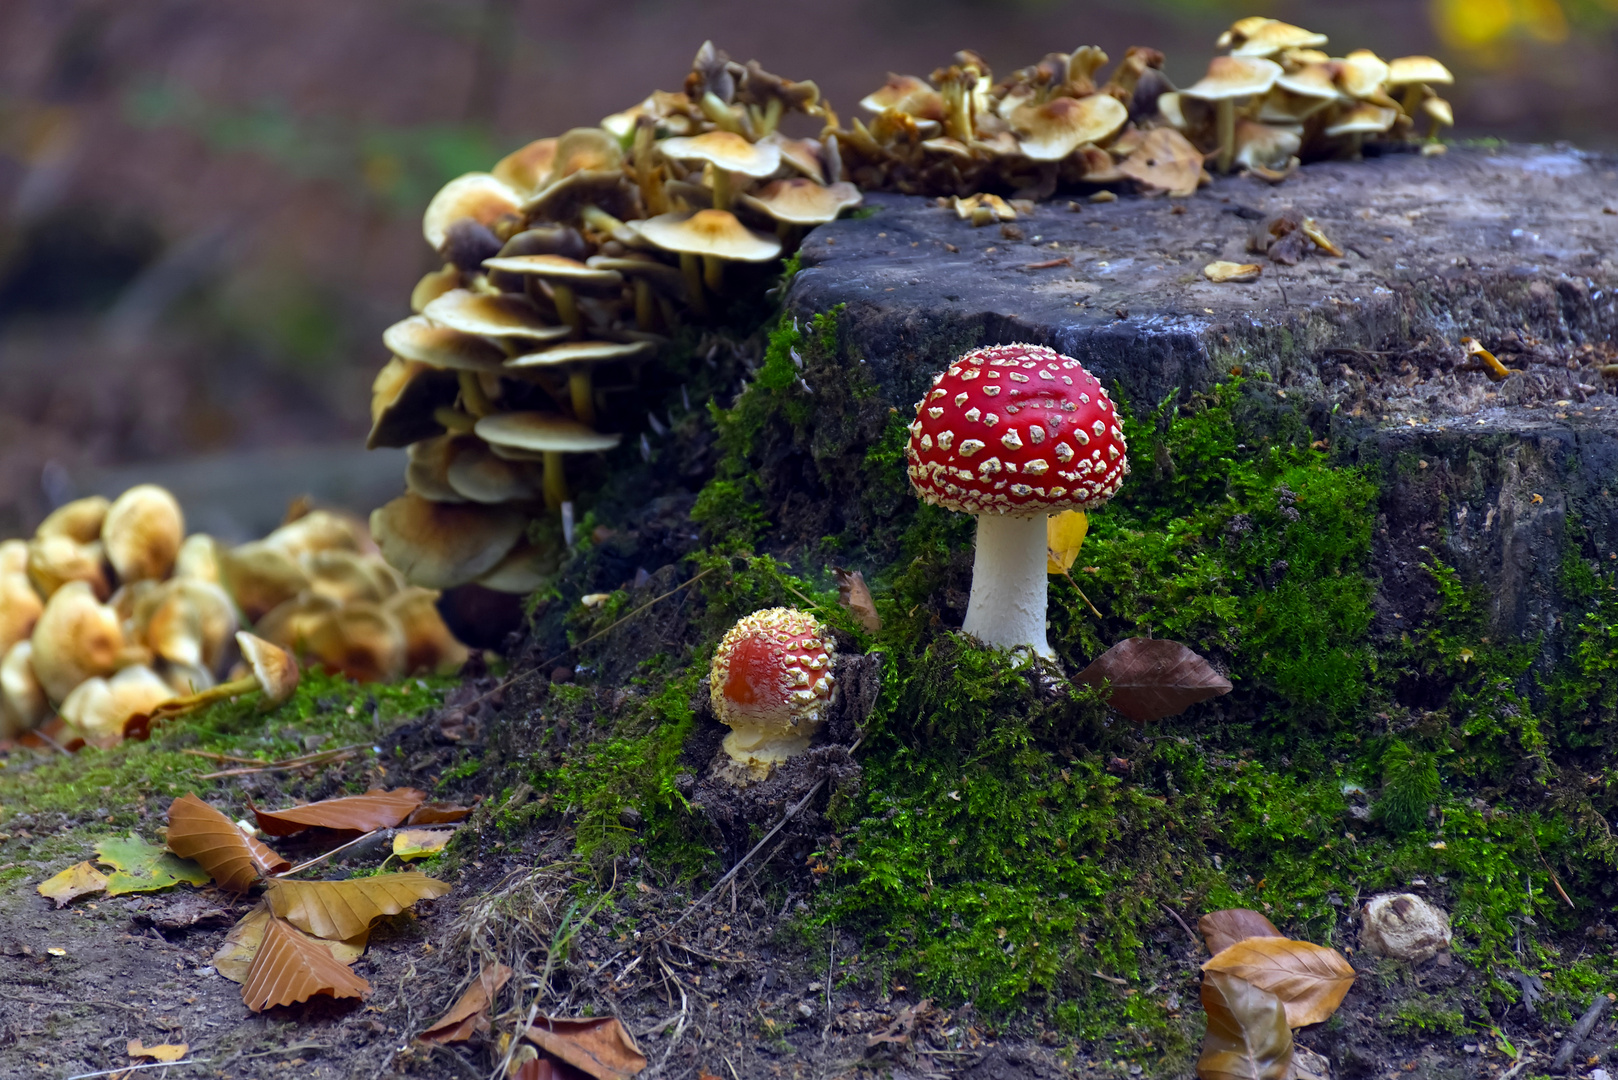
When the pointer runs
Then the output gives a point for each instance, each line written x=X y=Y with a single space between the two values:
x=772 y=674
x=1018 y=430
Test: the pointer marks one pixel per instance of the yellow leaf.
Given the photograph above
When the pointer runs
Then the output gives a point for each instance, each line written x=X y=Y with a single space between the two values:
x=161 y=1052
x=235 y=956
x=76 y=880
x=1064 y=536
x=338 y=910
x=419 y=843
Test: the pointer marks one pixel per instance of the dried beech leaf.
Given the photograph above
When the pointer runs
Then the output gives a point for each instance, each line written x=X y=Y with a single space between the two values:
x=855 y=595
x=236 y=860
x=1221 y=271
x=1151 y=678
x=438 y=813
x=600 y=1046
x=338 y=910
x=1248 y=1037
x=235 y=956
x=292 y=967
x=80 y=879
x=467 y=1014
x=376 y=809
x=161 y=1052
x=1222 y=929
x=1309 y=979
x=1064 y=536
x=144 y=867
x=420 y=843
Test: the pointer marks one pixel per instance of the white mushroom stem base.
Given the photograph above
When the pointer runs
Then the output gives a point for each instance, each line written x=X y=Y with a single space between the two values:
x=1009 y=583
x=760 y=749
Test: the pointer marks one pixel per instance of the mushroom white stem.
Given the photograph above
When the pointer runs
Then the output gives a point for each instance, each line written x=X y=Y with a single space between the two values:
x=1009 y=583
x=1226 y=114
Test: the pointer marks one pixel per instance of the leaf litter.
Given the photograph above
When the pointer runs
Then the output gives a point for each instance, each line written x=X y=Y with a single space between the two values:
x=470 y=1013
x=1152 y=678
x=376 y=809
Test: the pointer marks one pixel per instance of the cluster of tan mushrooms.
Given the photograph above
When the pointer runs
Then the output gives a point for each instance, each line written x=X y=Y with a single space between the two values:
x=1276 y=99
x=566 y=268
x=111 y=612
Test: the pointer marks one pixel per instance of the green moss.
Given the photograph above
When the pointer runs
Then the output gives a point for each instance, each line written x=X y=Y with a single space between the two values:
x=1427 y=1015
x=1410 y=787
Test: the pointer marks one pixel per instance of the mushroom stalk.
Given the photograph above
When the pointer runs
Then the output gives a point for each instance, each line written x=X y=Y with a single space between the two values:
x=1225 y=110
x=645 y=307
x=691 y=267
x=472 y=396
x=1009 y=583
x=567 y=306
x=555 y=482
x=582 y=394
x=721 y=188
x=192 y=702
x=713 y=272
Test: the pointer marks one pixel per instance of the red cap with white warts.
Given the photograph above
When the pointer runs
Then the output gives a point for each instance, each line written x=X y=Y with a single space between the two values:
x=772 y=672
x=1018 y=430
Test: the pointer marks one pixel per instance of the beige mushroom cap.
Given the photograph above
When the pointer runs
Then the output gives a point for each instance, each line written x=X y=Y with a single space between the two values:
x=198 y=558
x=429 y=645
x=554 y=268
x=22 y=699
x=1234 y=77
x=55 y=560
x=20 y=607
x=346 y=576
x=403 y=398
x=1311 y=81
x=423 y=341
x=541 y=432
x=275 y=669
x=185 y=621
x=1242 y=29
x=77 y=637
x=359 y=640
x=1362 y=73
x=1363 y=118
x=14 y=555
x=725 y=150
x=526 y=167
x=801 y=201
x=480 y=196
x=908 y=94
x=261 y=576
x=78 y=520
x=427 y=473
x=1417 y=69
x=585 y=150
x=143 y=532
x=1273 y=36
x=1052 y=131
x=502 y=315
x=320 y=530
x=801 y=154
x=710 y=232
x=522 y=571
x=580 y=352
x=441 y=545
x=477 y=475
x=98 y=708
x=1260 y=146
x=289 y=624
x=1439 y=110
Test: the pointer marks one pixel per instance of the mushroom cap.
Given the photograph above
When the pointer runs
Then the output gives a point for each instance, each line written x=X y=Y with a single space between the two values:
x=710 y=232
x=55 y=560
x=908 y=94
x=186 y=621
x=275 y=669
x=773 y=670
x=585 y=149
x=433 y=284
x=441 y=545
x=1273 y=36
x=541 y=432
x=801 y=154
x=429 y=645
x=1417 y=69
x=1311 y=81
x=77 y=637
x=20 y=608
x=22 y=699
x=360 y=640
x=427 y=473
x=198 y=558
x=659 y=273
x=526 y=167
x=580 y=352
x=564 y=198
x=1439 y=110
x=289 y=624
x=14 y=555
x=492 y=315
x=801 y=201
x=1361 y=73
x=1242 y=29
x=522 y=571
x=1016 y=429
x=725 y=150
x=347 y=576
x=320 y=530
x=423 y=341
x=484 y=198
x=403 y=397
x=1165 y=160
x=1364 y=118
x=98 y=708
x=1234 y=77
x=1052 y=131
x=477 y=475
x=1264 y=147
x=260 y=576
x=554 y=268
x=143 y=532
x=78 y=520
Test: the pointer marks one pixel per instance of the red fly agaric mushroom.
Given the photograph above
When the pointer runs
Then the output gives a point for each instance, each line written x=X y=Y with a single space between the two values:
x=771 y=680
x=1012 y=433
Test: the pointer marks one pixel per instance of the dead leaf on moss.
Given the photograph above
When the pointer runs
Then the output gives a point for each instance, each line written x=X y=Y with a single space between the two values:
x=161 y=1052
x=1150 y=678
x=291 y=966
x=438 y=813
x=338 y=910
x=1310 y=979
x=1064 y=536
x=235 y=956
x=1248 y=1037
x=376 y=809
x=1222 y=929
x=144 y=867
x=420 y=843
x=469 y=1013
x=236 y=860
x=600 y=1046
x=855 y=596
x=80 y=879
x=1220 y=272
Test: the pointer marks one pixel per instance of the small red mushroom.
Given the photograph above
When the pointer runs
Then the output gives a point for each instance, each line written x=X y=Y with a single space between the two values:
x=1012 y=433
x=771 y=680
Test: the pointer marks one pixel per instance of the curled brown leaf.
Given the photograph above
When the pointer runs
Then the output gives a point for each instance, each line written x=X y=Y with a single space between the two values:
x=600 y=1046
x=234 y=859
x=1222 y=929
x=1150 y=678
x=291 y=967
x=855 y=595
x=1248 y=1037
x=1310 y=979
x=467 y=1014
x=376 y=809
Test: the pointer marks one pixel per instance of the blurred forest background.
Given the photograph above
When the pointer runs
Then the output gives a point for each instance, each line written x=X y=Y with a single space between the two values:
x=210 y=210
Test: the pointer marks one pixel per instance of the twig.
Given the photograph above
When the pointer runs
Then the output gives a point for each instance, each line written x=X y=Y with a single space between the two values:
x=1580 y=1032
x=1109 y=978
x=1554 y=879
x=1515 y=1069
x=1080 y=591
x=322 y=858
x=40 y=732
x=1196 y=946
x=321 y=757
x=224 y=757
x=131 y=1068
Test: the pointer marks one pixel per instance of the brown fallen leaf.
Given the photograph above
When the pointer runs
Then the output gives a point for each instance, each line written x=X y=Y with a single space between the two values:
x=1222 y=929
x=376 y=809
x=235 y=957
x=1248 y=1037
x=161 y=1052
x=1221 y=271
x=420 y=843
x=338 y=910
x=80 y=879
x=438 y=813
x=902 y=1031
x=1151 y=678
x=1309 y=979
x=600 y=1046
x=531 y=1068
x=292 y=967
x=855 y=595
x=469 y=1013
x=234 y=859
